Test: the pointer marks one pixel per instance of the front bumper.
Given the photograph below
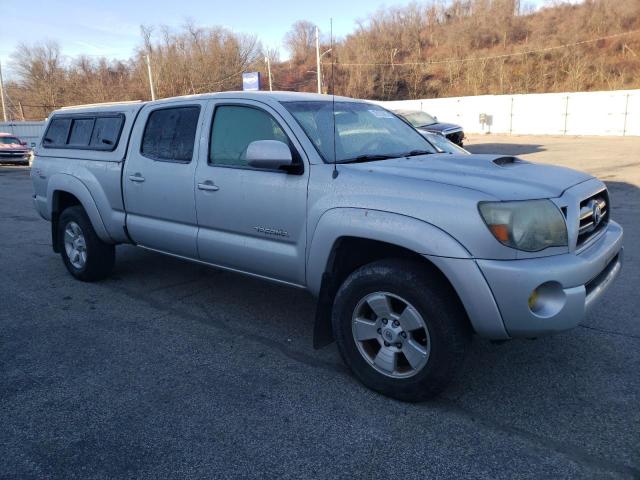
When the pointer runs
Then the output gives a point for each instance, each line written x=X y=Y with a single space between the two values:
x=569 y=285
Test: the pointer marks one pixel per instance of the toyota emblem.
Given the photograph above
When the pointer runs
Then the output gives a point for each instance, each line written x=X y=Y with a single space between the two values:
x=596 y=213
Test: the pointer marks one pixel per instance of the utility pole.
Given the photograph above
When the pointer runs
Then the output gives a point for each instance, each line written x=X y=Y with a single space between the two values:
x=4 y=110
x=153 y=92
x=266 y=59
x=319 y=73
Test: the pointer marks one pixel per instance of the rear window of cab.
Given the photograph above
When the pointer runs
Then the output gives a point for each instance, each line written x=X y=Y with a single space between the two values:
x=85 y=132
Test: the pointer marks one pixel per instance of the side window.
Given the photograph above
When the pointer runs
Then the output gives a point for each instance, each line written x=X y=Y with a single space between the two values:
x=170 y=134
x=234 y=128
x=57 y=132
x=85 y=132
x=106 y=132
x=81 y=131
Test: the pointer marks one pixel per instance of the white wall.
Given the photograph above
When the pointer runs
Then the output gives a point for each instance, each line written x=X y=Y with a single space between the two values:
x=27 y=131
x=579 y=113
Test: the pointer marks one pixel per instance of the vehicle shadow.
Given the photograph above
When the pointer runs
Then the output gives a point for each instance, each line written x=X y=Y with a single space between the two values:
x=504 y=148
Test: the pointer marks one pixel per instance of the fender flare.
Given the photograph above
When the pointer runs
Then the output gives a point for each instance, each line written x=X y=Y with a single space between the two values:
x=62 y=182
x=401 y=230
x=396 y=229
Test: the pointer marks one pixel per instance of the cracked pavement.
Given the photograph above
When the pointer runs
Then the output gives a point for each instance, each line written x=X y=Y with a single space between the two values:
x=173 y=370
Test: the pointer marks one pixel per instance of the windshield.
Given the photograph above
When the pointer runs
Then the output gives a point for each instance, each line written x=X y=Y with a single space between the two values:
x=443 y=144
x=418 y=119
x=9 y=141
x=363 y=131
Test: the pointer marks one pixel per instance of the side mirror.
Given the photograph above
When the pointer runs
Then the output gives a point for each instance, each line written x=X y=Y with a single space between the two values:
x=269 y=154
x=24 y=144
x=435 y=118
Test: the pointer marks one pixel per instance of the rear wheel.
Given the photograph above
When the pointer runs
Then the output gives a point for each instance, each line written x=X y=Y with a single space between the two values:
x=402 y=332
x=86 y=256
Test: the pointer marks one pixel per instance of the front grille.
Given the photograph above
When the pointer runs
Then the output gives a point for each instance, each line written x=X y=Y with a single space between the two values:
x=14 y=154
x=593 y=216
x=455 y=137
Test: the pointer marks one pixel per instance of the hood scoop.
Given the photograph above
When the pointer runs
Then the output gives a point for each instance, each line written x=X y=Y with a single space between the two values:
x=508 y=161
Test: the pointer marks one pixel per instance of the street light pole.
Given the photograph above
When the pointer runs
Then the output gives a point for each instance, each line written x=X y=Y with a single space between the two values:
x=319 y=60
x=153 y=92
x=4 y=110
x=266 y=59
x=319 y=73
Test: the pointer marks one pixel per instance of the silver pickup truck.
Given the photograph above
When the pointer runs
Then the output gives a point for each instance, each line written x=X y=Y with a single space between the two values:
x=409 y=252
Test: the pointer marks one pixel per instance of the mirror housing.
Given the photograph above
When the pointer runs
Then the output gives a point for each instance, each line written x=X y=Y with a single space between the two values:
x=269 y=154
x=24 y=144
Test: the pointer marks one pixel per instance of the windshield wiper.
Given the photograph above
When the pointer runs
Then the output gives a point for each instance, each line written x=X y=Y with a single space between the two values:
x=414 y=153
x=368 y=158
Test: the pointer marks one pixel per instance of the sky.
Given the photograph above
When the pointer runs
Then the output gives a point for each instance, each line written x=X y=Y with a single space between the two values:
x=111 y=28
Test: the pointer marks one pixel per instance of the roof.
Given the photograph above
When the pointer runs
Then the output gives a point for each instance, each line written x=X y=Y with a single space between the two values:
x=257 y=95
x=104 y=104
x=3 y=134
x=261 y=95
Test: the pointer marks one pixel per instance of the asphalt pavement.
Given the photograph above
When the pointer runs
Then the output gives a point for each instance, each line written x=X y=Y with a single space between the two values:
x=173 y=370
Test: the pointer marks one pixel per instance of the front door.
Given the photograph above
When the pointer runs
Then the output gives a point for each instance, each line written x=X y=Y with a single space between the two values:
x=159 y=176
x=251 y=220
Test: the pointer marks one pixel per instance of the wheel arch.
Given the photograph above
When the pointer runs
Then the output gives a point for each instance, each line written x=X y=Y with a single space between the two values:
x=346 y=239
x=64 y=191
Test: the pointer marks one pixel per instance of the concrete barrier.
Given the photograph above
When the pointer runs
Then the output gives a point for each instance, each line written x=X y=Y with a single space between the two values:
x=575 y=113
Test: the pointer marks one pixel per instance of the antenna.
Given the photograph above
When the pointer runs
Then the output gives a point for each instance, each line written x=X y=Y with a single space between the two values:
x=333 y=102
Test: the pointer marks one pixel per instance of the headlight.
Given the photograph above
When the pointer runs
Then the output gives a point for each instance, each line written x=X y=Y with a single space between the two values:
x=531 y=225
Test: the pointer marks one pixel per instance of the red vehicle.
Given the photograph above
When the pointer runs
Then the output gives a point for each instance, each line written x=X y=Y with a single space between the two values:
x=13 y=150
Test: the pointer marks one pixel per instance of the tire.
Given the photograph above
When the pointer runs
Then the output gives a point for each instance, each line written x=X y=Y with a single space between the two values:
x=437 y=349
x=93 y=259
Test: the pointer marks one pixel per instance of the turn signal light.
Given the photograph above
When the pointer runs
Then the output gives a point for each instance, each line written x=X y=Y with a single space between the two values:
x=500 y=231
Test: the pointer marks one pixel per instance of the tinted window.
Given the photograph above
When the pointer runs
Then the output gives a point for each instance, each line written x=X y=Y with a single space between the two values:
x=57 y=131
x=106 y=132
x=234 y=128
x=170 y=134
x=86 y=132
x=81 y=131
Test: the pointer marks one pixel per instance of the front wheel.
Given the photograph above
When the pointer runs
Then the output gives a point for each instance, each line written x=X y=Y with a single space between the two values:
x=401 y=331
x=86 y=256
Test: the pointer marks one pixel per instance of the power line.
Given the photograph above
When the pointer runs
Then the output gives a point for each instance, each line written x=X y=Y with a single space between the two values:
x=491 y=57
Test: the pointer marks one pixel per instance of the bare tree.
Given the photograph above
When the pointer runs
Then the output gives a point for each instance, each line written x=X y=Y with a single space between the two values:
x=300 y=40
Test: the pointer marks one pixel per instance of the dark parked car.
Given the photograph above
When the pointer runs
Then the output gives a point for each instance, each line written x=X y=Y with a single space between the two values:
x=424 y=122
x=12 y=149
x=442 y=144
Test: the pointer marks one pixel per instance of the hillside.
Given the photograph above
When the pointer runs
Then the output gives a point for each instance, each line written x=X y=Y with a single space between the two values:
x=433 y=49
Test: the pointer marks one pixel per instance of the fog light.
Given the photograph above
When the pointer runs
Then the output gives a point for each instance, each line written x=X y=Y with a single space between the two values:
x=532 y=299
x=547 y=299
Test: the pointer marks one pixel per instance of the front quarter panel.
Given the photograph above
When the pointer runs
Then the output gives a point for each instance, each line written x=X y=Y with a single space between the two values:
x=393 y=228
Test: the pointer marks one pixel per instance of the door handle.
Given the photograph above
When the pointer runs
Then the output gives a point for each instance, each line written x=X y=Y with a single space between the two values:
x=208 y=186
x=136 y=178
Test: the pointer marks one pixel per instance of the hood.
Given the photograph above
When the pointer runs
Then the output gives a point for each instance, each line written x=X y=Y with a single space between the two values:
x=440 y=127
x=13 y=146
x=503 y=177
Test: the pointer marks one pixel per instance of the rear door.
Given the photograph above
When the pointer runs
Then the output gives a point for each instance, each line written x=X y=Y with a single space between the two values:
x=252 y=220
x=158 y=179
